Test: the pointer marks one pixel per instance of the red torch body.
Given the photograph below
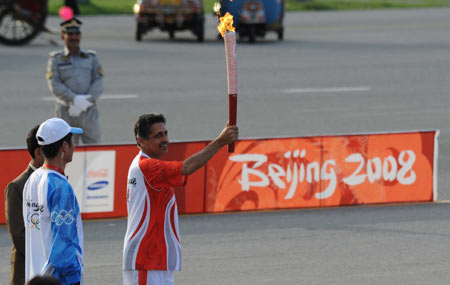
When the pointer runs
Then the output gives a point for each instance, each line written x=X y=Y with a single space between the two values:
x=232 y=115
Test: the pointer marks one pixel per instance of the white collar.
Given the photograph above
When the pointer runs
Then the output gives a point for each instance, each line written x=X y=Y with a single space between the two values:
x=141 y=153
x=32 y=166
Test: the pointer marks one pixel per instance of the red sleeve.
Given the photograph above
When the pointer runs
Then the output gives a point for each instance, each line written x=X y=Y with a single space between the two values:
x=162 y=174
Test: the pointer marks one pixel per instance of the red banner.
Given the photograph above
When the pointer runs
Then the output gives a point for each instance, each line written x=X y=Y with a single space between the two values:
x=282 y=173
x=324 y=171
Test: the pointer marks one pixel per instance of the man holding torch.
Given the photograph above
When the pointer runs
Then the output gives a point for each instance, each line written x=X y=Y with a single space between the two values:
x=152 y=246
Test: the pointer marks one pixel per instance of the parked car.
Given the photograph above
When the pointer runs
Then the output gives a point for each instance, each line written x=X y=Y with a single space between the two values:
x=170 y=16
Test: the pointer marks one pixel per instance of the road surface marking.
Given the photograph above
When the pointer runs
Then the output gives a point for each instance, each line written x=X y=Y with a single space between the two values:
x=328 y=90
x=102 y=97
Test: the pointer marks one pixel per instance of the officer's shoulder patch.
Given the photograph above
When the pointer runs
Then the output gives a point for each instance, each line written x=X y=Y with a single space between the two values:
x=49 y=74
x=55 y=53
x=100 y=71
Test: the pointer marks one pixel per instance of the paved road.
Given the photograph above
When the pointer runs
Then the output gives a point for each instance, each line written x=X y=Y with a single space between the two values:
x=393 y=67
x=353 y=245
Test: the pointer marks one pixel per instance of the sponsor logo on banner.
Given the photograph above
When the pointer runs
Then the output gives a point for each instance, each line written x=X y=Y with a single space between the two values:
x=100 y=173
x=97 y=185
x=91 y=174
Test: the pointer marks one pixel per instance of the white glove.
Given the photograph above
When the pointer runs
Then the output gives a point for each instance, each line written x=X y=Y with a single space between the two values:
x=74 y=110
x=82 y=102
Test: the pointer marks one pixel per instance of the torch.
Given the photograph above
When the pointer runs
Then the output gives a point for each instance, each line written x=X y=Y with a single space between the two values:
x=226 y=29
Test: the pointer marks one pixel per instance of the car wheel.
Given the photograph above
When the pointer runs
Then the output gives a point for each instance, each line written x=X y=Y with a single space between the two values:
x=251 y=33
x=139 y=32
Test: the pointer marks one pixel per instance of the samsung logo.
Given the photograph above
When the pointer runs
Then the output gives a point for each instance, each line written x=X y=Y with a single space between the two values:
x=98 y=185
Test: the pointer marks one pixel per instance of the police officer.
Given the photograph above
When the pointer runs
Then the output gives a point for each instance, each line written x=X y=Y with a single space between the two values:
x=75 y=78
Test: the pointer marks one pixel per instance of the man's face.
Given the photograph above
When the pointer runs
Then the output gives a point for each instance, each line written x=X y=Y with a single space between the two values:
x=157 y=142
x=71 y=39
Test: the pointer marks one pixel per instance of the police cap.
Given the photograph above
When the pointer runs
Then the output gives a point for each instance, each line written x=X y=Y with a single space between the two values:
x=71 y=26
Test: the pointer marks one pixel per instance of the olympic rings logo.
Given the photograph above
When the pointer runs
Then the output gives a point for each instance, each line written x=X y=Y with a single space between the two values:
x=63 y=217
x=34 y=220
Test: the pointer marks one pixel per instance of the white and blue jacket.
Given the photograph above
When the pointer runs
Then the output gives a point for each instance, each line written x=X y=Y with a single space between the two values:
x=53 y=229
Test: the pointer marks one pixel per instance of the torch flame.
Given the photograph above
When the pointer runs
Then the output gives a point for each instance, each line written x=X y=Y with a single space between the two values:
x=226 y=24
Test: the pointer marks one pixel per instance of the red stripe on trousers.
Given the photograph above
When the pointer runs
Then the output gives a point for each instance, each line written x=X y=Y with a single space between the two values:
x=142 y=277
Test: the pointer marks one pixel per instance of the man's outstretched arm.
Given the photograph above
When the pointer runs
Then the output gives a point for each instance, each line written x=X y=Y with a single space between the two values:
x=228 y=135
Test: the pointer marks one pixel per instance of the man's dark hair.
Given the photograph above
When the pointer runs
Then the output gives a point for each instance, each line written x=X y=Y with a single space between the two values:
x=143 y=125
x=44 y=280
x=51 y=150
x=32 y=143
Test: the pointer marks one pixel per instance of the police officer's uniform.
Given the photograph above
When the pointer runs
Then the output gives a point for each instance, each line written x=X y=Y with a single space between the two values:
x=70 y=75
